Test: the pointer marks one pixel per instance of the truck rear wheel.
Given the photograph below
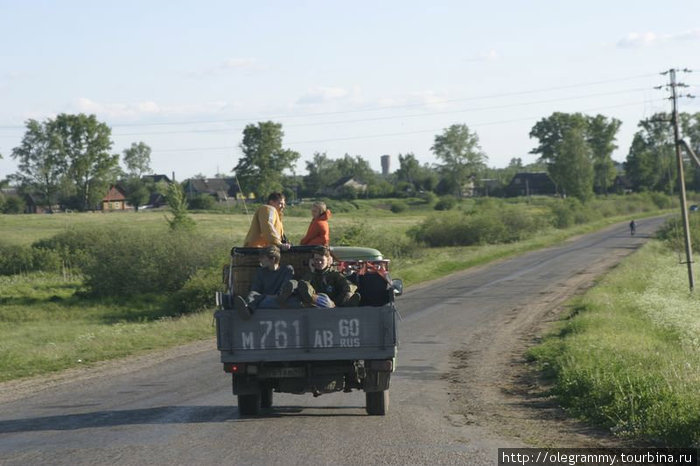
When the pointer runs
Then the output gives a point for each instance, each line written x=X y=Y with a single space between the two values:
x=377 y=403
x=266 y=398
x=249 y=405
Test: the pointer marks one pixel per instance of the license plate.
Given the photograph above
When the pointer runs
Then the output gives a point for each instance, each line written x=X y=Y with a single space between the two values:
x=282 y=372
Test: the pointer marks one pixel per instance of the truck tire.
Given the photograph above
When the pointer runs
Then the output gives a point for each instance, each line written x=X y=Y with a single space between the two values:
x=377 y=403
x=249 y=405
x=266 y=398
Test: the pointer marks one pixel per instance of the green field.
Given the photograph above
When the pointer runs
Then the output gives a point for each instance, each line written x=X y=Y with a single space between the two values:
x=50 y=321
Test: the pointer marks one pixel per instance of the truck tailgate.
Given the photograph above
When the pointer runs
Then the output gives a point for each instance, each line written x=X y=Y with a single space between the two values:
x=313 y=334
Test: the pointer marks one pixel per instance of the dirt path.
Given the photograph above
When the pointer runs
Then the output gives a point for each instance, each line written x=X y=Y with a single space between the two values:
x=497 y=388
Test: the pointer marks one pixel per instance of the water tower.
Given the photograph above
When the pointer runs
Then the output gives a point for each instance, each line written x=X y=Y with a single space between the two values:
x=386 y=162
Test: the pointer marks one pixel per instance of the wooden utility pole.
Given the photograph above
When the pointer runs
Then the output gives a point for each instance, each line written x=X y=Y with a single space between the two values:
x=681 y=181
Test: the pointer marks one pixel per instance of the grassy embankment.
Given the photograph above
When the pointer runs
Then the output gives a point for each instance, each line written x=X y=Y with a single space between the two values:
x=49 y=322
x=628 y=355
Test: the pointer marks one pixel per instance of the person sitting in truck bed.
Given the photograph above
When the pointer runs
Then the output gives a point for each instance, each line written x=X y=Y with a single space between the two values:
x=271 y=287
x=322 y=286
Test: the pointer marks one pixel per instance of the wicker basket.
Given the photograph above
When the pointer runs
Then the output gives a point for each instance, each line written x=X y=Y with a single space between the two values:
x=245 y=262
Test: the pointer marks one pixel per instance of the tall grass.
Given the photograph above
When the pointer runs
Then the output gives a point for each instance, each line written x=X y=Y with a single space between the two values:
x=629 y=355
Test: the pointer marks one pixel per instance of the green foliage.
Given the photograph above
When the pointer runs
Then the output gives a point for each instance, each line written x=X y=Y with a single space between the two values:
x=84 y=144
x=264 y=160
x=198 y=292
x=25 y=259
x=650 y=163
x=490 y=222
x=398 y=206
x=12 y=205
x=202 y=202
x=180 y=220
x=135 y=262
x=137 y=159
x=629 y=357
x=458 y=148
x=393 y=244
x=446 y=203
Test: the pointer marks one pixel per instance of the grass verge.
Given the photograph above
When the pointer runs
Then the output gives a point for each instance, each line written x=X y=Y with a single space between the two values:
x=628 y=355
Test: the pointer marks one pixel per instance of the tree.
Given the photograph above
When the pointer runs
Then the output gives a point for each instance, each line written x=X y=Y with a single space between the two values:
x=458 y=148
x=322 y=172
x=264 y=160
x=177 y=202
x=41 y=165
x=418 y=177
x=84 y=143
x=137 y=192
x=574 y=166
x=137 y=159
x=556 y=135
x=650 y=163
x=600 y=135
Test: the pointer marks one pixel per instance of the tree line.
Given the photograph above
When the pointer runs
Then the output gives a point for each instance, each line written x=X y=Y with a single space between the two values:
x=68 y=161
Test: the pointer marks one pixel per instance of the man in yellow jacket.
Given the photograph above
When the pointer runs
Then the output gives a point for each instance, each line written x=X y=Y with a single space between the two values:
x=266 y=229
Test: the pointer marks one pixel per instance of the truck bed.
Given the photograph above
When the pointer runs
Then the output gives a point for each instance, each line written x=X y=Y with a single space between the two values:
x=307 y=334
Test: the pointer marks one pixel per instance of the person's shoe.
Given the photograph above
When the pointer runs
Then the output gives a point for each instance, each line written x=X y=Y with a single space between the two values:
x=241 y=307
x=353 y=301
x=285 y=293
x=306 y=293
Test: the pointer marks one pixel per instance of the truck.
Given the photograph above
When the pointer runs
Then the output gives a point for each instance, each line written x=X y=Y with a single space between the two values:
x=309 y=349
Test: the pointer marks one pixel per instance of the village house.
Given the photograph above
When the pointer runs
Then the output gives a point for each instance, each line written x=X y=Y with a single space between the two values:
x=530 y=184
x=115 y=199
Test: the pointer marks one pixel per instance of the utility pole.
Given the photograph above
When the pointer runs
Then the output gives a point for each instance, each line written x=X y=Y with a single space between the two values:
x=681 y=178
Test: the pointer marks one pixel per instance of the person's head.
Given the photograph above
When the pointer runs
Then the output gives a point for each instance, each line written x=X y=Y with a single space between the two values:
x=270 y=257
x=321 y=258
x=317 y=209
x=278 y=201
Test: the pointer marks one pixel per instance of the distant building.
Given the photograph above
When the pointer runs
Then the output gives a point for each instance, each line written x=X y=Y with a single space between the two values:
x=115 y=199
x=222 y=189
x=531 y=183
x=341 y=186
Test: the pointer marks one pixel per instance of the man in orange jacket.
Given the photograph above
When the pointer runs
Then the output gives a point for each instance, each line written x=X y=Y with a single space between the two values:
x=266 y=229
x=318 y=232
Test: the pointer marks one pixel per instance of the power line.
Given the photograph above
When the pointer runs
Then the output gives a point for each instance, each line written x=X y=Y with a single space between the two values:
x=372 y=108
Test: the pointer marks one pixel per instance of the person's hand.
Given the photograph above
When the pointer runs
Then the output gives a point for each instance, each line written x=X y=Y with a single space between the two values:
x=285 y=246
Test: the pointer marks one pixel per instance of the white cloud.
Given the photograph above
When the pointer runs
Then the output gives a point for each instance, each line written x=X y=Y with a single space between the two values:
x=487 y=56
x=228 y=65
x=145 y=109
x=427 y=98
x=320 y=95
x=635 y=39
x=648 y=39
x=239 y=63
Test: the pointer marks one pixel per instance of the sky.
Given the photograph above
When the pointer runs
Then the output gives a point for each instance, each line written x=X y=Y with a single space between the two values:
x=361 y=78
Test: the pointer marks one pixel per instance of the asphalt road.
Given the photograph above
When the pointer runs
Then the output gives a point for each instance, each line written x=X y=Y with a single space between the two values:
x=182 y=411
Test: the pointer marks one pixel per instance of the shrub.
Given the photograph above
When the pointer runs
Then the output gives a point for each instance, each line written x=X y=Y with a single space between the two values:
x=13 y=205
x=398 y=207
x=198 y=292
x=446 y=203
x=201 y=202
x=23 y=259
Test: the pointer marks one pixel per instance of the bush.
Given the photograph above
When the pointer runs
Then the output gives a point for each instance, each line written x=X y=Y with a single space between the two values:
x=135 y=262
x=446 y=203
x=23 y=259
x=13 y=205
x=398 y=206
x=143 y=262
x=201 y=202
x=198 y=292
